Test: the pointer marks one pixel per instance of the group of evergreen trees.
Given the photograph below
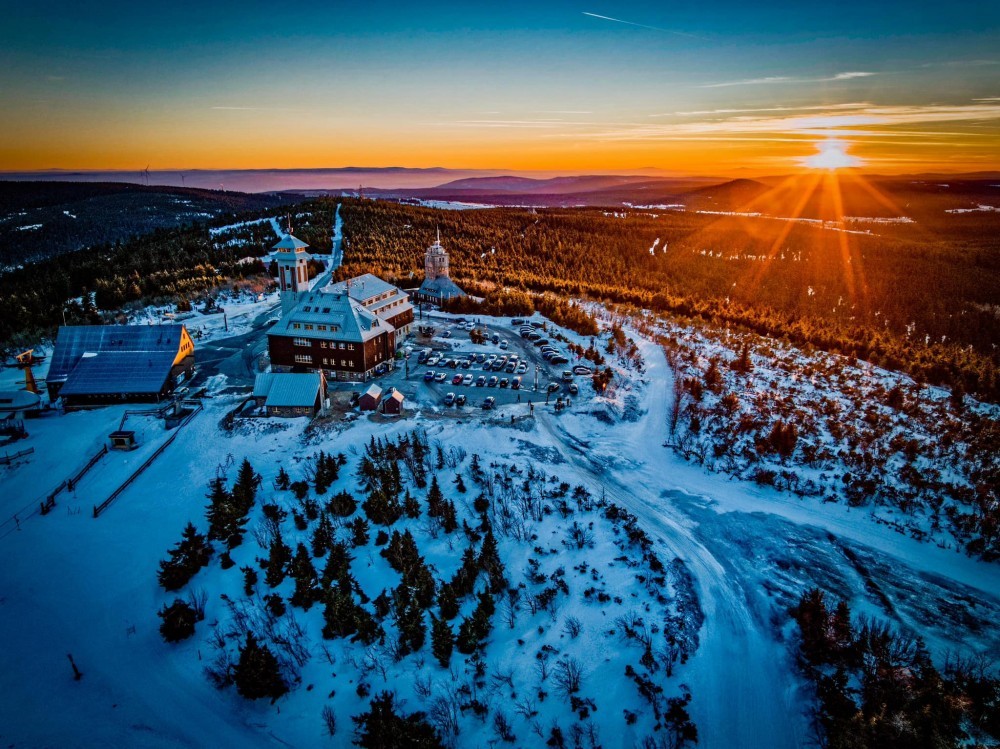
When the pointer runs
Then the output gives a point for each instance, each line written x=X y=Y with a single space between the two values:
x=878 y=689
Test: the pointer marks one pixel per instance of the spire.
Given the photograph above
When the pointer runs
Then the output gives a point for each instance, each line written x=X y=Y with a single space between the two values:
x=439 y=234
x=289 y=223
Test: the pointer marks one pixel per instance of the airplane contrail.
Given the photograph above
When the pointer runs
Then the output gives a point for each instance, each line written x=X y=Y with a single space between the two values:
x=641 y=25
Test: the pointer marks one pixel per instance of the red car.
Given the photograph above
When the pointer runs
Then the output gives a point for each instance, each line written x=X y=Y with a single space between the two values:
x=456 y=380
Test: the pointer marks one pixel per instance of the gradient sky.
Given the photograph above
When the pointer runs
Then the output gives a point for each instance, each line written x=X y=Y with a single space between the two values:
x=697 y=87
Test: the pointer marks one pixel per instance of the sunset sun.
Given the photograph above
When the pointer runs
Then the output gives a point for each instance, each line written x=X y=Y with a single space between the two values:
x=832 y=154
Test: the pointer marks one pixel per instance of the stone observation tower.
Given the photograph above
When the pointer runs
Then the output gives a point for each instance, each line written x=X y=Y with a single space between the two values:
x=437 y=286
x=436 y=261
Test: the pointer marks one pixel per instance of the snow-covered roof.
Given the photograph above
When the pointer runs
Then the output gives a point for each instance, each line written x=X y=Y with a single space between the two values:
x=341 y=318
x=363 y=288
x=289 y=242
x=373 y=391
x=397 y=396
x=441 y=287
x=294 y=390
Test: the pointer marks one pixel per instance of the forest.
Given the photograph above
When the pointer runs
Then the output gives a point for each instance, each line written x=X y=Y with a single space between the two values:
x=902 y=297
x=39 y=220
x=878 y=688
x=920 y=298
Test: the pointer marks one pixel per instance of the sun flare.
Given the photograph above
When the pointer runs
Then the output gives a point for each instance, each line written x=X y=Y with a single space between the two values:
x=832 y=155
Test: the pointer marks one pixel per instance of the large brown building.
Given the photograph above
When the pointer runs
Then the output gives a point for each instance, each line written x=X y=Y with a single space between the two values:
x=382 y=299
x=334 y=333
x=350 y=330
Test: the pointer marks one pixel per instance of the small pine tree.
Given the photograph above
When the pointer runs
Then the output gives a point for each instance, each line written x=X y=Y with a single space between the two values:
x=322 y=537
x=191 y=554
x=283 y=480
x=245 y=489
x=447 y=602
x=411 y=506
x=179 y=619
x=442 y=641
x=449 y=517
x=381 y=727
x=257 y=673
x=435 y=499
x=459 y=483
x=360 y=532
x=306 y=585
x=277 y=561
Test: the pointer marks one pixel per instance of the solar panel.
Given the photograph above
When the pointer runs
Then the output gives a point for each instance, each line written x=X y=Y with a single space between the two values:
x=114 y=358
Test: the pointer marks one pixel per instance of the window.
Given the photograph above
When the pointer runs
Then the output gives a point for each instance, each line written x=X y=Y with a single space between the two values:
x=343 y=362
x=296 y=325
x=350 y=347
x=303 y=359
x=307 y=309
x=320 y=327
x=301 y=342
x=309 y=327
x=326 y=310
x=325 y=362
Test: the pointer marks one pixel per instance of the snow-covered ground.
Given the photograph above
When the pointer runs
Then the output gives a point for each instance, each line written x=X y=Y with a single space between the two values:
x=73 y=584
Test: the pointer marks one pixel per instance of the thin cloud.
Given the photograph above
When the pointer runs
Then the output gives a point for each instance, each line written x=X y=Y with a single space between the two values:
x=847 y=76
x=817 y=107
x=256 y=109
x=868 y=121
x=641 y=25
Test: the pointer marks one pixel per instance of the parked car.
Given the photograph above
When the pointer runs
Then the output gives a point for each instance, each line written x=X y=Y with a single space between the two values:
x=480 y=381
x=515 y=384
x=525 y=332
x=446 y=334
x=511 y=366
x=495 y=338
x=489 y=403
x=440 y=377
x=449 y=399
x=581 y=370
x=567 y=376
x=467 y=380
x=559 y=359
x=535 y=336
x=536 y=324
x=504 y=343
x=428 y=375
x=480 y=357
x=542 y=342
x=460 y=399
x=547 y=355
x=573 y=388
x=456 y=380
x=452 y=363
x=433 y=360
x=492 y=382
x=554 y=386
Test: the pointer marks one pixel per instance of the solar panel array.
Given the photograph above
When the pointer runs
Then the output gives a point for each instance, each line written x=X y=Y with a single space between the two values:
x=114 y=358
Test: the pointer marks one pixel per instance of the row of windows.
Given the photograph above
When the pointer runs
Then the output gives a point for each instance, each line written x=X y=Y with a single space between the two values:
x=333 y=362
x=309 y=326
x=323 y=344
x=303 y=359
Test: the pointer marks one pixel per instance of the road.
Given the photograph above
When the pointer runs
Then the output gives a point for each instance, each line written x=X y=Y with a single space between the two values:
x=738 y=677
x=236 y=357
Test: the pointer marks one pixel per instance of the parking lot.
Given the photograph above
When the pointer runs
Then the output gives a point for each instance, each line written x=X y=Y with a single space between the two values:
x=488 y=369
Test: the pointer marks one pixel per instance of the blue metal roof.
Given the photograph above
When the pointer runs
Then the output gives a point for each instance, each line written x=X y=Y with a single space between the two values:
x=102 y=359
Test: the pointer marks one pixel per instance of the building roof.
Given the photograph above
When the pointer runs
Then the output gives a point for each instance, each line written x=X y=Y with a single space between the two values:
x=344 y=318
x=362 y=288
x=441 y=287
x=373 y=391
x=102 y=359
x=262 y=384
x=288 y=242
x=293 y=390
x=397 y=396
